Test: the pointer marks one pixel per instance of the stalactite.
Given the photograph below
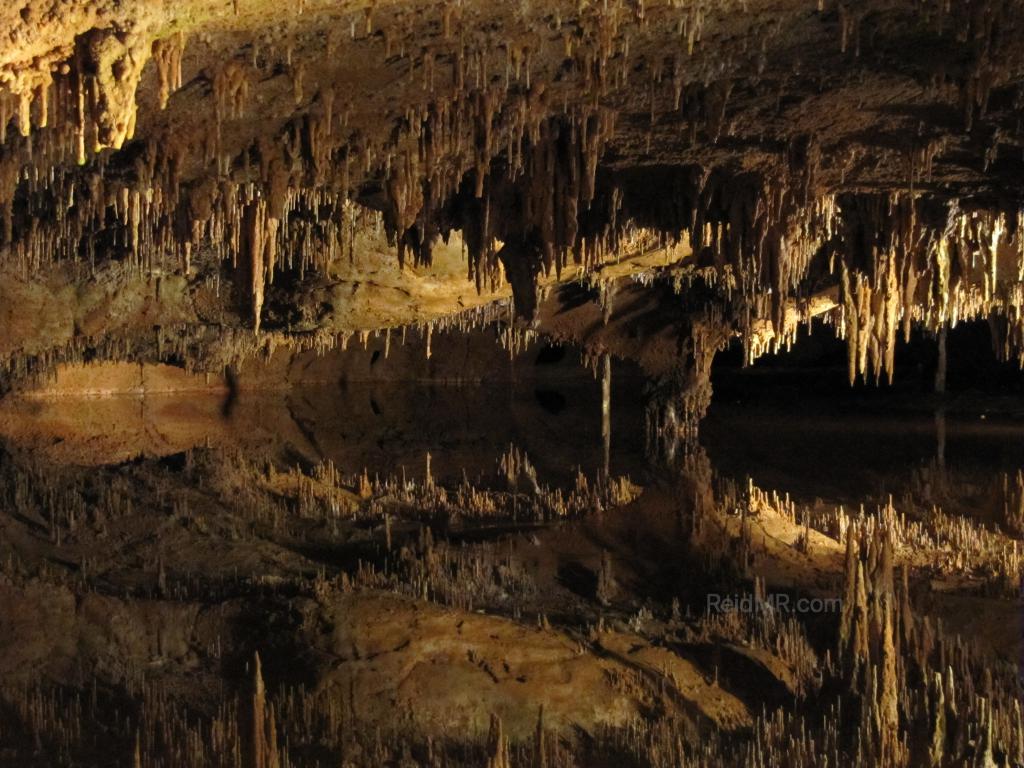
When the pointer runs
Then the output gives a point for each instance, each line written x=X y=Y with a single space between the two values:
x=167 y=54
x=115 y=63
x=504 y=164
x=230 y=94
x=257 y=243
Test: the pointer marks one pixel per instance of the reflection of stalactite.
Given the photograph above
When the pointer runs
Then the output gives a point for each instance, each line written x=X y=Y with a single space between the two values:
x=261 y=748
x=1013 y=502
x=497 y=745
x=257 y=716
x=540 y=752
x=678 y=402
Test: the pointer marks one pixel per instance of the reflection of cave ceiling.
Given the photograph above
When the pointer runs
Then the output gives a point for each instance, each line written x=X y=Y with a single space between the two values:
x=857 y=160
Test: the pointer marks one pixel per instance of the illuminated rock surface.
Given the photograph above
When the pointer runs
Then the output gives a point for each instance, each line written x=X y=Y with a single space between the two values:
x=408 y=383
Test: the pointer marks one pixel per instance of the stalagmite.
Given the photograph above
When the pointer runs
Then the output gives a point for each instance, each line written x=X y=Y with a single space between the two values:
x=605 y=580
x=859 y=646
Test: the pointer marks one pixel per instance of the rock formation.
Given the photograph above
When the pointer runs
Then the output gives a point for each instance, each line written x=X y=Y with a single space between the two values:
x=205 y=200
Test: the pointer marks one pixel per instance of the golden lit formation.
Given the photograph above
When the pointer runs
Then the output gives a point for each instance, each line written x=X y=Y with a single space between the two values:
x=522 y=385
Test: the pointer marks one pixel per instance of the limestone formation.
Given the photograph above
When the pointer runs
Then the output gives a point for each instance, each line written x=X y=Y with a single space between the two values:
x=309 y=315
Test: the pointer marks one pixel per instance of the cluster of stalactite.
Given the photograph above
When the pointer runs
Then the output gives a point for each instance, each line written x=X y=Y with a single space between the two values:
x=517 y=172
x=537 y=202
x=904 y=261
x=273 y=224
x=136 y=205
x=555 y=205
x=988 y=31
x=292 y=209
x=900 y=261
x=87 y=100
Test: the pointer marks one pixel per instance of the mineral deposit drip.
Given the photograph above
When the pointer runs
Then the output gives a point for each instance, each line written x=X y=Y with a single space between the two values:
x=904 y=263
x=257 y=242
x=167 y=55
x=112 y=65
x=517 y=168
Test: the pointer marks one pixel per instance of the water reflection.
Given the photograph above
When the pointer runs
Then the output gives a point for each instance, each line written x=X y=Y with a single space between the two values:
x=384 y=428
x=811 y=450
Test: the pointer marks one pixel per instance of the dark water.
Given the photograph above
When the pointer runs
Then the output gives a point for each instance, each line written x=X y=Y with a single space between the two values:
x=845 y=449
x=817 y=451
x=386 y=429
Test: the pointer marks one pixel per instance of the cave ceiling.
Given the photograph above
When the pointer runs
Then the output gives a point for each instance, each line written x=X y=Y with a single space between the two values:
x=227 y=176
